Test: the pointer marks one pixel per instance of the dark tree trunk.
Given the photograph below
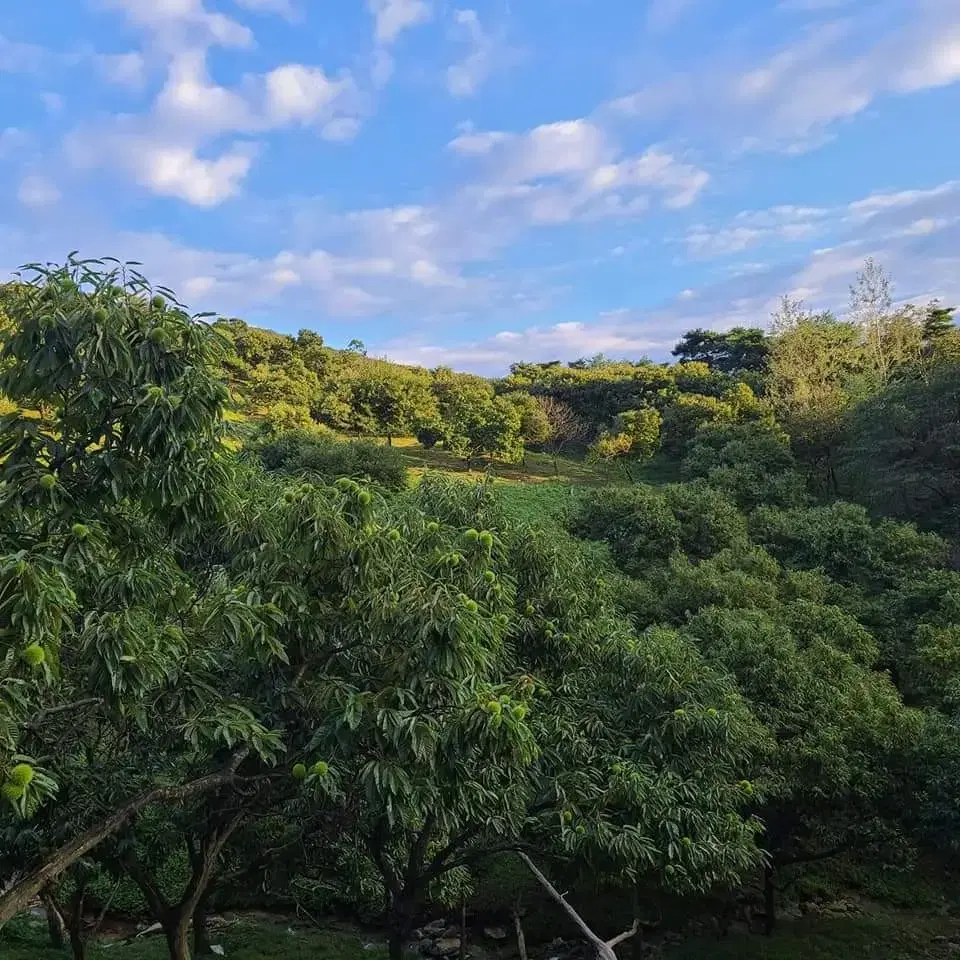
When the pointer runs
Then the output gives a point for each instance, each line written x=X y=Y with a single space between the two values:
x=463 y=928
x=201 y=933
x=769 y=898
x=521 y=939
x=55 y=922
x=177 y=930
x=78 y=945
x=396 y=943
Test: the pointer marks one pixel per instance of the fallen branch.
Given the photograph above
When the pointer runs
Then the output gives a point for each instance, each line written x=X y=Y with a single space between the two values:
x=604 y=948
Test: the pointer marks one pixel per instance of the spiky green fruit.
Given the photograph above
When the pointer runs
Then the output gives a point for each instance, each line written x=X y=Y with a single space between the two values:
x=80 y=530
x=289 y=496
x=470 y=606
x=394 y=535
x=157 y=335
x=471 y=536
x=494 y=708
x=321 y=768
x=528 y=609
x=746 y=787
x=567 y=816
x=489 y=576
x=433 y=526
x=344 y=483
x=687 y=842
x=501 y=619
x=364 y=497
x=486 y=539
x=99 y=316
x=519 y=711
x=48 y=481
x=456 y=559
x=34 y=654
x=617 y=769
x=299 y=771
x=12 y=791
x=680 y=713
x=157 y=302
x=711 y=712
x=581 y=830
x=22 y=775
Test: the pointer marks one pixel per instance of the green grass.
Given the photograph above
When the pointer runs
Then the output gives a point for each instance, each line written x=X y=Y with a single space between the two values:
x=537 y=467
x=885 y=936
x=882 y=935
x=241 y=941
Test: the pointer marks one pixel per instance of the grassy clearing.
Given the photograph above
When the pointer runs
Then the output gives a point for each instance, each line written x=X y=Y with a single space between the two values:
x=537 y=467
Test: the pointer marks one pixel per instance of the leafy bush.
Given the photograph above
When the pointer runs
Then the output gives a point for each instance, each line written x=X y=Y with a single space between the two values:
x=644 y=525
x=316 y=452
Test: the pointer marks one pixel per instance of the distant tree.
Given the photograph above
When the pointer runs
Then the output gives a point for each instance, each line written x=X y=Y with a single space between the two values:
x=535 y=426
x=740 y=349
x=938 y=322
x=357 y=346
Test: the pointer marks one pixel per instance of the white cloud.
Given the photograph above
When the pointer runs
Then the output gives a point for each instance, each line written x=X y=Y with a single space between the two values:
x=37 y=191
x=18 y=57
x=664 y=14
x=176 y=25
x=477 y=143
x=283 y=8
x=296 y=93
x=465 y=77
x=392 y=17
x=11 y=140
x=179 y=172
x=123 y=69
x=791 y=97
x=562 y=341
x=568 y=170
x=168 y=150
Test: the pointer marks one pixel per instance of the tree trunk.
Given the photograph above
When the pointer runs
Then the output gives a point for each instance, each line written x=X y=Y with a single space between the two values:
x=769 y=898
x=55 y=922
x=521 y=939
x=77 y=944
x=201 y=933
x=463 y=928
x=18 y=897
x=389 y=440
x=395 y=943
x=177 y=930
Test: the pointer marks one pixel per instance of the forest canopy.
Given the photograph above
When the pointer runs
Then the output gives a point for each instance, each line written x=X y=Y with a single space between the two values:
x=243 y=653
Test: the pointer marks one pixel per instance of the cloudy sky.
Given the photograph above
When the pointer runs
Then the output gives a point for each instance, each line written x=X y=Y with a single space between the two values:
x=483 y=182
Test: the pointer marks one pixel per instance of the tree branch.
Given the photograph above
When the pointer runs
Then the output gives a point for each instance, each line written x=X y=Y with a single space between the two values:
x=16 y=898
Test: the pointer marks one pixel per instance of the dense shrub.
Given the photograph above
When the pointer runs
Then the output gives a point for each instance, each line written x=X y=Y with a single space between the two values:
x=312 y=451
x=645 y=525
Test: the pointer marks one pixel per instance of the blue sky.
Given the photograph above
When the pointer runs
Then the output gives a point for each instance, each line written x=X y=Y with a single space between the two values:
x=475 y=183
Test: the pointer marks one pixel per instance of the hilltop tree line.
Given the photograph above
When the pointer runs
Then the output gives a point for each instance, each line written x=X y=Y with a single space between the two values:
x=223 y=681
x=829 y=382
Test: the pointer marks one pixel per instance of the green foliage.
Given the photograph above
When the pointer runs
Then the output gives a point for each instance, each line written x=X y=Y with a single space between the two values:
x=901 y=451
x=298 y=452
x=645 y=525
x=751 y=462
x=737 y=350
x=842 y=540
